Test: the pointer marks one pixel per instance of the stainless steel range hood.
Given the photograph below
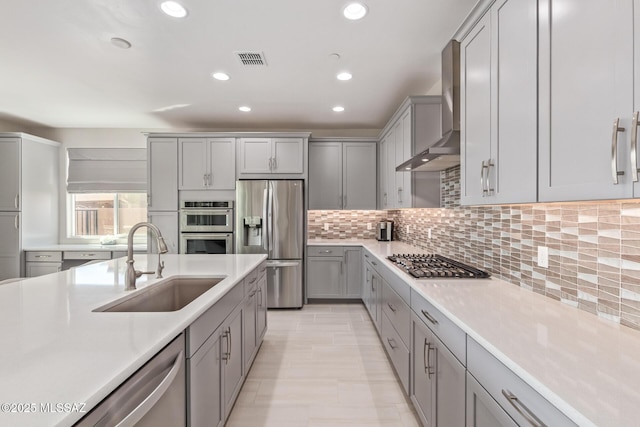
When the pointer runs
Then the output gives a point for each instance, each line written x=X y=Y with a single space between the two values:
x=445 y=152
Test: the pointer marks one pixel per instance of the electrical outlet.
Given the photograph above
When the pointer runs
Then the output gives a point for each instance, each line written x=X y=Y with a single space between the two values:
x=369 y=226
x=543 y=256
x=326 y=226
x=407 y=229
x=428 y=233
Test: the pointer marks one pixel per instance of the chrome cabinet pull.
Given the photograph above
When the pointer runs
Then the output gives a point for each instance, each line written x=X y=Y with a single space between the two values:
x=16 y=222
x=384 y=197
x=327 y=251
x=634 y=146
x=344 y=203
x=484 y=187
x=275 y=163
x=16 y=200
x=429 y=317
x=392 y=308
x=204 y=180
x=429 y=371
x=230 y=343
x=490 y=190
x=615 y=173
x=399 y=195
x=522 y=409
x=43 y=256
x=374 y=263
x=366 y=256
x=253 y=281
x=424 y=356
x=260 y=297
x=391 y=342
x=87 y=255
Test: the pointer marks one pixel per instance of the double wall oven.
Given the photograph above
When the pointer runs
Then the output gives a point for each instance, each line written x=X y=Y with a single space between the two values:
x=206 y=227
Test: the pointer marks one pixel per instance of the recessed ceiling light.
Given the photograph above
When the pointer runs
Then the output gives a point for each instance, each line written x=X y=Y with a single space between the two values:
x=121 y=43
x=408 y=168
x=425 y=160
x=221 y=76
x=355 y=11
x=174 y=9
x=171 y=107
x=344 y=76
x=244 y=109
x=338 y=109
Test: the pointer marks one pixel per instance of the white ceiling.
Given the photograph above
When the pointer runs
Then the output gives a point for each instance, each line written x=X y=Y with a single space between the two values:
x=59 y=69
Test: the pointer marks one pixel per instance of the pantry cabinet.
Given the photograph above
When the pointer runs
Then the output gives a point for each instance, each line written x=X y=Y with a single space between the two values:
x=271 y=155
x=498 y=63
x=586 y=92
x=10 y=174
x=415 y=126
x=342 y=175
x=162 y=174
x=207 y=164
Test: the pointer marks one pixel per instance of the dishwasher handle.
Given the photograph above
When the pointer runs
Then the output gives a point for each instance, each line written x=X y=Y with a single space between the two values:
x=149 y=402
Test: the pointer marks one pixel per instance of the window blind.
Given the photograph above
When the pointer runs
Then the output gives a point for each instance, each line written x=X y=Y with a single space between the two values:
x=107 y=170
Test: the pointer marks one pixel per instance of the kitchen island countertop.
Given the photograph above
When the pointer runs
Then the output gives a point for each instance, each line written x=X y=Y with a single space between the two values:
x=587 y=366
x=55 y=349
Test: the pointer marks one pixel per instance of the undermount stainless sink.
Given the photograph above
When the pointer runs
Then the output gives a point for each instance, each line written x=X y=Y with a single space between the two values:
x=171 y=295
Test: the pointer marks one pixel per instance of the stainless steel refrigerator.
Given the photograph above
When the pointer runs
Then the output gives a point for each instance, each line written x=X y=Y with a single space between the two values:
x=270 y=220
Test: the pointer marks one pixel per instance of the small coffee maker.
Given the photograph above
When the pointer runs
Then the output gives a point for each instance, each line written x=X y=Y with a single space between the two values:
x=384 y=231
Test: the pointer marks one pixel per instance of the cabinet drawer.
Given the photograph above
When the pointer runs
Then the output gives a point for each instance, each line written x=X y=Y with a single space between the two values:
x=325 y=250
x=452 y=336
x=203 y=327
x=396 y=350
x=515 y=396
x=87 y=255
x=43 y=256
x=397 y=312
x=262 y=269
x=250 y=281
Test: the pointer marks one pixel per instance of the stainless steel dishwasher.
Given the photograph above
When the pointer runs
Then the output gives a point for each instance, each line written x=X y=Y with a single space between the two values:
x=154 y=396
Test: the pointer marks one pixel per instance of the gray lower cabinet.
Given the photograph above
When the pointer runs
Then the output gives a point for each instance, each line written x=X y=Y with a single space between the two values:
x=482 y=410
x=205 y=404
x=373 y=283
x=261 y=317
x=232 y=366
x=39 y=263
x=334 y=272
x=250 y=315
x=10 y=247
x=438 y=383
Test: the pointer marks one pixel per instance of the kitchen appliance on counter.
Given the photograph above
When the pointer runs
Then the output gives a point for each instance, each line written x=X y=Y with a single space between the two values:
x=206 y=227
x=423 y=266
x=270 y=220
x=384 y=231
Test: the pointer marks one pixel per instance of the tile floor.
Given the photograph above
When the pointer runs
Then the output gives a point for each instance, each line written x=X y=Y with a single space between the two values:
x=323 y=365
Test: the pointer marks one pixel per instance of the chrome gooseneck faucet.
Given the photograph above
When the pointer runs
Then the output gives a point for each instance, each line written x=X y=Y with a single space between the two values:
x=132 y=274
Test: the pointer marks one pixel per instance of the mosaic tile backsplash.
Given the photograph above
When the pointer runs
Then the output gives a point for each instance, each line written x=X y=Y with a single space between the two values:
x=344 y=224
x=594 y=247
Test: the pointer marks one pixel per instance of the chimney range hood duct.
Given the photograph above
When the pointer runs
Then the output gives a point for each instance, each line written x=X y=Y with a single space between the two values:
x=445 y=152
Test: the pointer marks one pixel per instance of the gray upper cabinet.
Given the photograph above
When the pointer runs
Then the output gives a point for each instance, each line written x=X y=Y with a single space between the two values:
x=162 y=174
x=498 y=61
x=342 y=175
x=586 y=83
x=207 y=163
x=10 y=174
x=271 y=156
x=415 y=125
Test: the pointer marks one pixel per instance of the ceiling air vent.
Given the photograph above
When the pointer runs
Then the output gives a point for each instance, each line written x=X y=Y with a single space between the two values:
x=252 y=58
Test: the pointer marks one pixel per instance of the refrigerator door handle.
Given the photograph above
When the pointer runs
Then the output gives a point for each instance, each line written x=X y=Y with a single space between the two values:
x=265 y=210
x=270 y=219
x=276 y=264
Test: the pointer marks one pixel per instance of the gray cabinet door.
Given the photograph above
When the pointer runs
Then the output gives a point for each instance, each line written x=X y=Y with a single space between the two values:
x=249 y=323
x=10 y=245
x=359 y=175
x=204 y=373
x=255 y=155
x=577 y=108
x=325 y=175
x=382 y=174
x=287 y=155
x=353 y=269
x=325 y=277
x=482 y=410
x=514 y=139
x=450 y=386
x=10 y=174
x=423 y=383
x=392 y=190
x=167 y=222
x=162 y=174
x=35 y=269
x=261 y=321
x=475 y=116
x=193 y=163
x=232 y=364
x=221 y=168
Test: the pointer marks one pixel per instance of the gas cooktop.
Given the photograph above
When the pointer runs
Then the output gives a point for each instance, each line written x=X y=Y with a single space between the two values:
x=423 y=266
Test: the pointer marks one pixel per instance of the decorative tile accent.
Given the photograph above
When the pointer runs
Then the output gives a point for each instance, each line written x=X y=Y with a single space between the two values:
x=594 y=247
x=343 y=224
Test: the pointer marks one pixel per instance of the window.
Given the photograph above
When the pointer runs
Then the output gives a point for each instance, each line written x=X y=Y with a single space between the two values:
x=106 y=214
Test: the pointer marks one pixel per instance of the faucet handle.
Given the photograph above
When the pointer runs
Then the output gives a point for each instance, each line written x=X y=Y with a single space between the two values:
x=140 y=273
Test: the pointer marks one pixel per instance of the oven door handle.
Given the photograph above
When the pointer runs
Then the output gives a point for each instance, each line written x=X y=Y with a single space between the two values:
x=278 y=264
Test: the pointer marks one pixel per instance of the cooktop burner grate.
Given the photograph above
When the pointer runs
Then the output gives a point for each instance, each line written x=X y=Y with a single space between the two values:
x=435 y=266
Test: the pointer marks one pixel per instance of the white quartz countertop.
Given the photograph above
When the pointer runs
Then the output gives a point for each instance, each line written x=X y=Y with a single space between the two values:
x=588 y=367
x=54 y=349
